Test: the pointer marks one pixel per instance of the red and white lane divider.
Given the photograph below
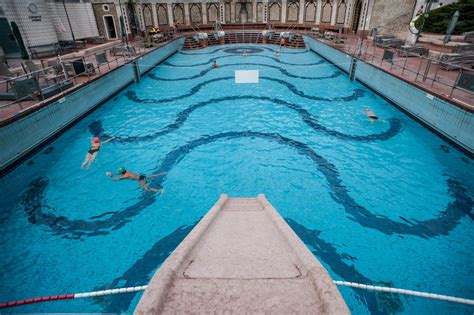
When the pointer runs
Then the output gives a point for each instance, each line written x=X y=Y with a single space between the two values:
x=406 y=292
x=142 y=288
x=72 y=296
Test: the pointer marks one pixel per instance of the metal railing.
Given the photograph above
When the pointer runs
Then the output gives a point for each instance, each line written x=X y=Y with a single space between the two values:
x=93 y=69
x=439 y=76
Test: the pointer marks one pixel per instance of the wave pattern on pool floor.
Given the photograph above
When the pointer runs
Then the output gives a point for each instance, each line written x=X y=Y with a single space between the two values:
x=39 y=211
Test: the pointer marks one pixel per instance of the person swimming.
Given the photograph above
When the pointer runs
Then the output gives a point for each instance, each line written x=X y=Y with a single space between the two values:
x=93 y=151
x=140 y=178
x=372 y=116
x=244 y=53
x=214 y=64
x=277 y=54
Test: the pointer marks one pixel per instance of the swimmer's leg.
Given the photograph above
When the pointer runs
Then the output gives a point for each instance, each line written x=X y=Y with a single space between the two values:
x=156 y=175
x=145 y=186
x=86 y=160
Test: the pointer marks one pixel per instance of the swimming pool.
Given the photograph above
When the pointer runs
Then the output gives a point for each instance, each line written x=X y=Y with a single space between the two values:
x=384 y=202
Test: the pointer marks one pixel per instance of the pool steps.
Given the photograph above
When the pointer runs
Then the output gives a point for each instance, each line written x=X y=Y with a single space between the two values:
x=242 y=257
x=249 y=37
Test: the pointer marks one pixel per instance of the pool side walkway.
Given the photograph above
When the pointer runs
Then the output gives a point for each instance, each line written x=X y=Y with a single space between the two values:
x=242 y=257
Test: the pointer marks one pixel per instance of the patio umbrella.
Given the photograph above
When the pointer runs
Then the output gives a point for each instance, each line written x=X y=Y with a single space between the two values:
x=451 y=27
x=19 y=40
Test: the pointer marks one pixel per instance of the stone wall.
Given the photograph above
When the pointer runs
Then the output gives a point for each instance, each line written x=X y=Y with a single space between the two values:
x=99 y=14
x=392 y=16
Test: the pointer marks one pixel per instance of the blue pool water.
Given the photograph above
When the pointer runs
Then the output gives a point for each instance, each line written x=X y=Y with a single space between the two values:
x=385 y=203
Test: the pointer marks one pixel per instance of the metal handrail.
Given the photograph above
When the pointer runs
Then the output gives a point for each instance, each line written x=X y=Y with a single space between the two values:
x=95 y=67
x=423 y=71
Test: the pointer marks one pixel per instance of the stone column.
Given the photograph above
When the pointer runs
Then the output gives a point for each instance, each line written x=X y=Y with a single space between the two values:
x=265 y=11
x=170 y=14
x=155 y=15
x=141 y=23
x=347 y=19
x=301 y=14
x=318 y=12
x=232 y=11
x=284 y=7
x=222 y=11
x=334 y=12
x=254 y=11
x=187 y=17
x=368 y=15
x=204 y=12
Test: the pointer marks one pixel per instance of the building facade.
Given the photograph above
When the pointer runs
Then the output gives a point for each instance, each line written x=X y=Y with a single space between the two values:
x=353 y=15
x=43 y=22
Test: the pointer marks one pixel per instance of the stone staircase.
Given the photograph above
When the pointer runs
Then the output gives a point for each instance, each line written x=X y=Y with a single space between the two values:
x=243 y=38
x=248 y=37
x=190 y=44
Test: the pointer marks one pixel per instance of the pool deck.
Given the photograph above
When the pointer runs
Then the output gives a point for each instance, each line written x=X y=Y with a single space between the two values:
x=242 y=257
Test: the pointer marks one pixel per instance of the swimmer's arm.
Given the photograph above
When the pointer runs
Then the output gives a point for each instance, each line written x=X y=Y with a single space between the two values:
x=108 y=140
x=117 y=178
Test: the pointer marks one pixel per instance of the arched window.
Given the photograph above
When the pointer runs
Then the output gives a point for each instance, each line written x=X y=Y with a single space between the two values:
x=195 y=13
x=178 y=13
x=274 y=10
x=293 y=11
x=147 y=15
x=212 y=12
x=326 y=11
x=162 y=13
x=310 y=11
x=341 y=12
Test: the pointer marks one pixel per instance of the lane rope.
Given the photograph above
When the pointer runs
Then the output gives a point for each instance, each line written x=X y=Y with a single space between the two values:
x=72 y=296
x=142 y=288
x=403 y=291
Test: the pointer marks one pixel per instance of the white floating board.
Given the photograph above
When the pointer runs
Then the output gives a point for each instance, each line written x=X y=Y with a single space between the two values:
x=246 y=76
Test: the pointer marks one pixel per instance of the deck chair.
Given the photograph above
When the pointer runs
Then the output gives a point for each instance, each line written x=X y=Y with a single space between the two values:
x=413 y=51
x=30 y=67
x=6 y=74
x=100 y=59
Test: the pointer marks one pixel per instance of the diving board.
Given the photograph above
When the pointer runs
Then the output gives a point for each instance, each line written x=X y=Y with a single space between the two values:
x=242 y=257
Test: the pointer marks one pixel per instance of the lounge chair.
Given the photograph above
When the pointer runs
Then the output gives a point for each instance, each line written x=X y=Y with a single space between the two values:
x=390 y=42
x=5 y=72
x=412 y=51
x=79 y=67
x=469 y=37
x=460 y=49
x=31 y=68
x=378 y=38
x=454 y=61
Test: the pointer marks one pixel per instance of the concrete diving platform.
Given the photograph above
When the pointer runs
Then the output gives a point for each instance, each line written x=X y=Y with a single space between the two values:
x=242 y=257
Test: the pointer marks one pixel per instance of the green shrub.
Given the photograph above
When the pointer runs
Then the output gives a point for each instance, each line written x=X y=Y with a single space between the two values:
x=439 y=19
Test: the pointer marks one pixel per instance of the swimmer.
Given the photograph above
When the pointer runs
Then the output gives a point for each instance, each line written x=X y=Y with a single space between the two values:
x=214 y=64
x=244 y=54
x=277 y=54
x=93 y=151
x=372 y=116
x=140 y=178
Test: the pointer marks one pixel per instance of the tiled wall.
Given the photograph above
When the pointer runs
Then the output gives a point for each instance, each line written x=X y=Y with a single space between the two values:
x=21 y=136
x=449 y=120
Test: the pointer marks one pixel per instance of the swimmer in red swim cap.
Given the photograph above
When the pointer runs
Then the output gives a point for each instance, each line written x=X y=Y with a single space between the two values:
x=93 y=151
